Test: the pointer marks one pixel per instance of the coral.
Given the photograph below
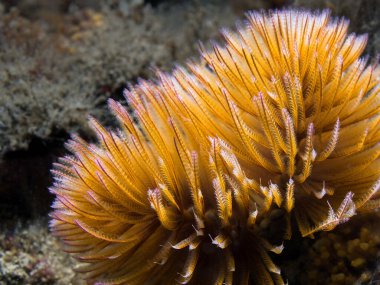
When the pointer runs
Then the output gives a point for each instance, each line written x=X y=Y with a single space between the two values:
x=204 y=177
x=56 y=67
x=30 y=255
x=345 y=256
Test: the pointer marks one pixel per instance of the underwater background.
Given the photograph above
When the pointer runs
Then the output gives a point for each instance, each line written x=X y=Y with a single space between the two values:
x=59 y=63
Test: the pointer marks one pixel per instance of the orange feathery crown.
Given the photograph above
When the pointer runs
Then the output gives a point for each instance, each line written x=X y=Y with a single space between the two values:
x=203 y=178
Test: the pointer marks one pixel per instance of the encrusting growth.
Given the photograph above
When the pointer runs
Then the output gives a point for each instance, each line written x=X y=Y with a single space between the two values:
x=282 y=119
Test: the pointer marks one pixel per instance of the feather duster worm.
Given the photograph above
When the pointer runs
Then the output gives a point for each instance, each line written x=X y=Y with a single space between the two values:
x=291 y=98
x=282 y=119
x=149 y=205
